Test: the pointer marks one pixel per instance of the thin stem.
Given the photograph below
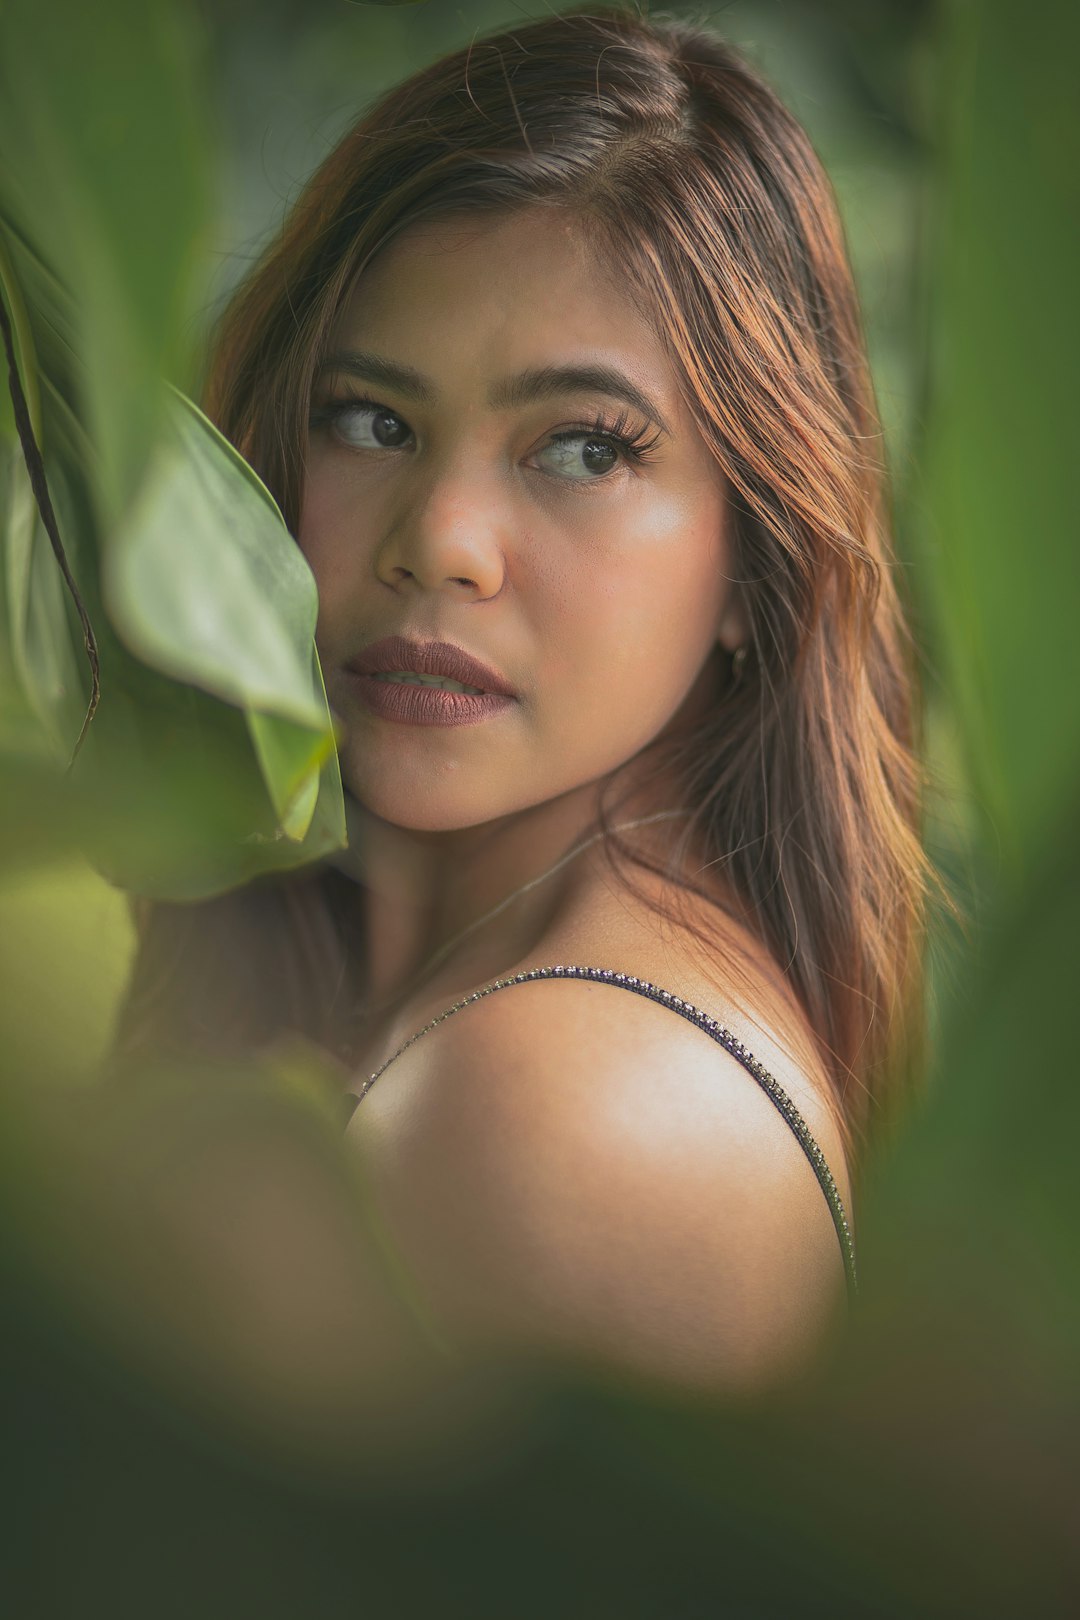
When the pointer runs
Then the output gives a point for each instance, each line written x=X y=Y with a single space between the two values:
x=24 y=337
x=35 y=466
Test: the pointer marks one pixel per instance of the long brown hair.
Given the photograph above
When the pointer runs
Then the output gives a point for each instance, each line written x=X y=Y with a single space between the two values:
x=689 y=175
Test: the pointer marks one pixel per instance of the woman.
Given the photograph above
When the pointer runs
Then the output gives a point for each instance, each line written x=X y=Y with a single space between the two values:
x=556 y=372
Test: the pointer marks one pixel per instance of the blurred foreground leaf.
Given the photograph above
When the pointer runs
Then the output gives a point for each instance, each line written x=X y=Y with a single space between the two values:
x=1003 y=565
x=211 y=758
x=66 y=943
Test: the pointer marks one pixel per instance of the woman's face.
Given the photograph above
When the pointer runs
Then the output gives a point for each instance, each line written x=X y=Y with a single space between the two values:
x=466 y=483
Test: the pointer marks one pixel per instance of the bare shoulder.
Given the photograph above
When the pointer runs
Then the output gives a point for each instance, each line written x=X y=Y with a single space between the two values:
x=567 y=1166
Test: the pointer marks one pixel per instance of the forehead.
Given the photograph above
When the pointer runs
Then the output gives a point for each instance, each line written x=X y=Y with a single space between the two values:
x=492 y=295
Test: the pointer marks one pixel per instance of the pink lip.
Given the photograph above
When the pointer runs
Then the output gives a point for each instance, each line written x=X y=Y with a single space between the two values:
x=427 y=705
x=396 y=654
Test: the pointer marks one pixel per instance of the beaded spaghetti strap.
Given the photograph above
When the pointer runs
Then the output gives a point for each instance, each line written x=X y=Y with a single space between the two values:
x=641 y=987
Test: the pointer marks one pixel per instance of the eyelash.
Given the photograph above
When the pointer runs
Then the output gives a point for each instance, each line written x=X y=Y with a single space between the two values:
x=637 y=446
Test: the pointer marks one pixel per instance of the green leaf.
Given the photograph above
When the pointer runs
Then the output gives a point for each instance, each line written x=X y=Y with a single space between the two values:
x=39 y=641
x=291 y=757
x=211 y=756
x=106 y=170
x=1003 y=385
x=231 y=612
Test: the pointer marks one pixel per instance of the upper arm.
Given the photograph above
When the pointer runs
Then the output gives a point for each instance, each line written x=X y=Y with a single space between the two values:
x=578 y=1170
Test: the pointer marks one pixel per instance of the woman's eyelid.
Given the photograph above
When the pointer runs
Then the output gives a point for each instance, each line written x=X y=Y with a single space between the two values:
x=617 y=426
x=592 y=417
x=334 y=408
x=346 y=402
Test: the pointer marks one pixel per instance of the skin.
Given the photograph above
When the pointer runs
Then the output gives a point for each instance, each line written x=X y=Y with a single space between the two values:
x=608 y=1182
x=600 y=596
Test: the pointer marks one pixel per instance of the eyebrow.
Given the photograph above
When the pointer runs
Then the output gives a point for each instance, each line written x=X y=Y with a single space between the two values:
x=524 y=388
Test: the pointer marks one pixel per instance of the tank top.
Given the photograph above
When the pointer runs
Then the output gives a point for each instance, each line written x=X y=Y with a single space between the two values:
x=723 y=1037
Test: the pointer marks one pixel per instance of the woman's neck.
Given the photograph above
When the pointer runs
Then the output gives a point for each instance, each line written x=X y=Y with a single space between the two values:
x=495 y=888
x=422 y=889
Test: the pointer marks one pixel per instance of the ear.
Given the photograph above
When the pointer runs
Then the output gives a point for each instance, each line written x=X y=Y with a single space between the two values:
x=733 y=625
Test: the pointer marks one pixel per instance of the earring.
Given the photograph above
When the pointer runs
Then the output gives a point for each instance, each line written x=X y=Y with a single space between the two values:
x=738 y=663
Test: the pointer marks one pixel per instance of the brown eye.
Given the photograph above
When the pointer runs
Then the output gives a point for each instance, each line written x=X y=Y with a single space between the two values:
x=580 y=455
x=367 y=427
x=599 y=456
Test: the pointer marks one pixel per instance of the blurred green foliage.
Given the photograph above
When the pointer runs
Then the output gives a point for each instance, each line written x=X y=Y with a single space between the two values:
x=158 y=1246
x=202 y=607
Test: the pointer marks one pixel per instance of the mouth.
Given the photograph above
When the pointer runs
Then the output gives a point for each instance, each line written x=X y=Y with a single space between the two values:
x=427 y=683
x=442 y=682
x=400 y=661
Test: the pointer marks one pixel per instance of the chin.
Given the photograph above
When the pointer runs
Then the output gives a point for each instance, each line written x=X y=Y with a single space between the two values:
x=425 y=811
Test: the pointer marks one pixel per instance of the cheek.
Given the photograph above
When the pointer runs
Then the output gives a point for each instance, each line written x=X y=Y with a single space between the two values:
x=639 y=615
x=331 y=546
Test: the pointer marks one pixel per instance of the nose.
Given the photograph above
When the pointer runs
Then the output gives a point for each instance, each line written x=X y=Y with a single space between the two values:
x=446 y=537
